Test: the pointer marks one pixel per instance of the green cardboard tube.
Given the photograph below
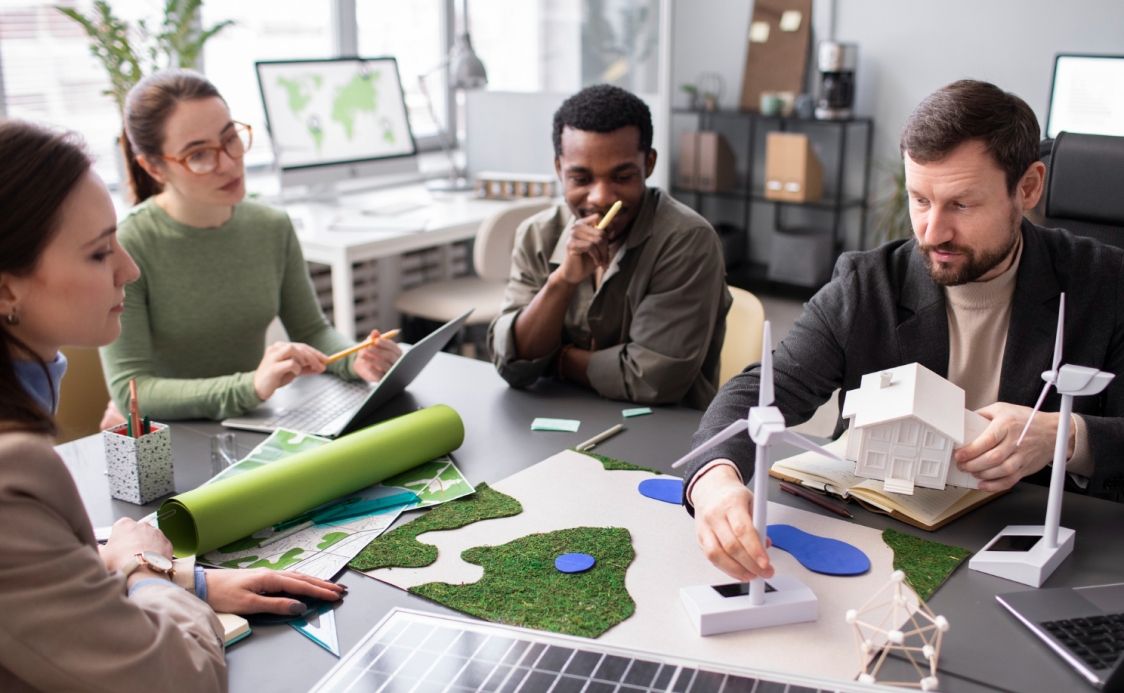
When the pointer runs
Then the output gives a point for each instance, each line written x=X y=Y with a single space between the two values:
x=216 y=514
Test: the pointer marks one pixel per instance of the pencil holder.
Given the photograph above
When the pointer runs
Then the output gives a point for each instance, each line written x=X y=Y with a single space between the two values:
x=140 y=469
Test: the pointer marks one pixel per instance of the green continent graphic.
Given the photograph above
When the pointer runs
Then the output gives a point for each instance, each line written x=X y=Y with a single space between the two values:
x=358 y=95
x=284 y=561
x=329 y=539
x=299 y=95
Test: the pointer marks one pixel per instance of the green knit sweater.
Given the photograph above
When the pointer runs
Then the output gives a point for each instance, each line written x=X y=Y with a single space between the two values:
x=193 y=329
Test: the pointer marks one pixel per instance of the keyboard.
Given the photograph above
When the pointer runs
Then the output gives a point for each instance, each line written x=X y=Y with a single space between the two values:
x=1097 y=640
x=326 y=406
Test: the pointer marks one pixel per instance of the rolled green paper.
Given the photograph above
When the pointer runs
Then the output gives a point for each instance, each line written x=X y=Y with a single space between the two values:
x=216 y=514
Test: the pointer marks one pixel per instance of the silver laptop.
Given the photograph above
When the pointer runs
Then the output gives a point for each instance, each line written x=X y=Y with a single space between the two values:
x=1084 y=625
x=324 y=405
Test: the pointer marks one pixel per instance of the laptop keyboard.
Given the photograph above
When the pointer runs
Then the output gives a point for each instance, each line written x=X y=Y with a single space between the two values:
x=1098 y=640
x=326 y=406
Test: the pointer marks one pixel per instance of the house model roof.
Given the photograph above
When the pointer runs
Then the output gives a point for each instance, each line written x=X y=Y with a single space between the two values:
x=913 y=391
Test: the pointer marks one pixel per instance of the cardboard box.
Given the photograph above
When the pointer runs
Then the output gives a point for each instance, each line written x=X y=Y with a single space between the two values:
x=792 y=171
x=716 y=170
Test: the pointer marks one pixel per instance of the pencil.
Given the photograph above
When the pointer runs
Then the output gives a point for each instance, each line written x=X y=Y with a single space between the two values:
x=134 y=409
x=604 y=223
x=359 y=347
x=589 y=444
x=809 y=496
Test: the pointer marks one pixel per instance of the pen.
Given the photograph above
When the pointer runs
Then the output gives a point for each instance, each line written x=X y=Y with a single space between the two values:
x=589 y=444
x=305 y=517
x=360 y=347
x=134 y=411
x=608 y=218
x=809 y=496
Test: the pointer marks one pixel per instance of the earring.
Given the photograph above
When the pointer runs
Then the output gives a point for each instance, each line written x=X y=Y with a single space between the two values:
x=13 y=318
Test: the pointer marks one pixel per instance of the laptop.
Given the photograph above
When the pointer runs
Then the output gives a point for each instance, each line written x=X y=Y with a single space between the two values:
x=324 y=405
x=1084 y=625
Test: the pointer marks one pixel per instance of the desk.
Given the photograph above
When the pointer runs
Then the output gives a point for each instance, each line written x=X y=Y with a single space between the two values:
x=350 y=230
x=986 y=649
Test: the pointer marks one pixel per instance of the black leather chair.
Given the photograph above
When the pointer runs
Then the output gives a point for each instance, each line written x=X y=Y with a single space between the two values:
x=1084 y=187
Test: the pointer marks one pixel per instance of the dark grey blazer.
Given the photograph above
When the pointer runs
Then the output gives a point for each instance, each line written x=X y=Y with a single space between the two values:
x=881 y=310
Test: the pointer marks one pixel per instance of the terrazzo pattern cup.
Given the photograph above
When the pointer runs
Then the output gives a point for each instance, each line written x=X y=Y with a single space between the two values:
x=139 y=469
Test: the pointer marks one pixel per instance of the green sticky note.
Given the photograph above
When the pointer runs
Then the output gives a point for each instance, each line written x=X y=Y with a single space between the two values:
x=639 y=411
x=569 y=425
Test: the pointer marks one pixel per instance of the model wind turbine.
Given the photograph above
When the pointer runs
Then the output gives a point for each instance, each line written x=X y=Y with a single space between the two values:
x=1030 y=553
x=757 y=604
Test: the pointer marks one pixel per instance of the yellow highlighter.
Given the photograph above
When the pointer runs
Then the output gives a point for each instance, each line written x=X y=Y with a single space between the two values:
x=604 y=223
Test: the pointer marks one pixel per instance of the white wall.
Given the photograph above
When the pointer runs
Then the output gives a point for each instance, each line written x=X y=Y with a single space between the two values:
x=909 y=48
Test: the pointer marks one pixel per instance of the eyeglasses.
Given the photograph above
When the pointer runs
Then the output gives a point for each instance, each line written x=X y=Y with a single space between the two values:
x=204 y=160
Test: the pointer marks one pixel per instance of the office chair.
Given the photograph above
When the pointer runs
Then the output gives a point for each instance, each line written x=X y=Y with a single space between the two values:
x=1083 y=186
x=742 y=345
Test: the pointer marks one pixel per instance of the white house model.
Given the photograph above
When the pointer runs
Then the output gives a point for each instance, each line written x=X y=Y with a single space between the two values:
x=904 y=424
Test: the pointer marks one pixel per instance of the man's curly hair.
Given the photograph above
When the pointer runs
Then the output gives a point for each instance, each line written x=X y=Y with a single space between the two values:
x=603 y=108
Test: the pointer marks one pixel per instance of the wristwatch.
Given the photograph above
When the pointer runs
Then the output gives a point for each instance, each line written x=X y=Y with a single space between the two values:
x=150 y=559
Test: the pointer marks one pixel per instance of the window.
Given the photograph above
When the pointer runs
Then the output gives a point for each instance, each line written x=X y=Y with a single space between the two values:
x=262 y=30
x=50 y=77
x=413 y=33
x=528 y=45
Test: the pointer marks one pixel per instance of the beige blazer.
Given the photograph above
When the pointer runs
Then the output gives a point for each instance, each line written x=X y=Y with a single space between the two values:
x=66 y=623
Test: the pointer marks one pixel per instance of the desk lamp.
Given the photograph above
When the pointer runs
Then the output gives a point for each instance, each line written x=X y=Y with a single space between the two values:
x=466 y=71
x=1030 y=553
x=760 y=603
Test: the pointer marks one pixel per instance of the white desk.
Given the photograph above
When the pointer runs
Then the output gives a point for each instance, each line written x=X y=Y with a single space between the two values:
x=360 y=227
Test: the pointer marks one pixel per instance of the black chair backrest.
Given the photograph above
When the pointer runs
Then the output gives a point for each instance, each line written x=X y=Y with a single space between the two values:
x=1085 y=186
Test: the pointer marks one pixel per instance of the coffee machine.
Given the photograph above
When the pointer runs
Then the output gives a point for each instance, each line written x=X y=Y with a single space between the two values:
x=836 y=62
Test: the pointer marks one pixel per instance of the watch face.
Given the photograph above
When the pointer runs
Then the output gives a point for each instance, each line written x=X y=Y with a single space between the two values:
x=157 y=561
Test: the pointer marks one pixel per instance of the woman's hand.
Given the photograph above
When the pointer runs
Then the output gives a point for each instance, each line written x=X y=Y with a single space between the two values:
x=129 y=538
x=373 y=362
x=247 y=591
x=284 y=362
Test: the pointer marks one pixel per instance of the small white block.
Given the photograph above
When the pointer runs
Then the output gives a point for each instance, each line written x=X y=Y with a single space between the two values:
x=942 y=623
x=866 y=647
x=929 y=683
x=928 y=651
x=898 y=576
x=866 y=678
x=852 y=615
x=896 y=637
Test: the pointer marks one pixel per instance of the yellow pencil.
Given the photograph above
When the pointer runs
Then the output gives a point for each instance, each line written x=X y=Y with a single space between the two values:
x=360 y=347
x=604 y=223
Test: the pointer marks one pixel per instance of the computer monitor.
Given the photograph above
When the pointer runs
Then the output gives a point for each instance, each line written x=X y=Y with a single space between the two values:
x=336 y=119
x=1087 y=95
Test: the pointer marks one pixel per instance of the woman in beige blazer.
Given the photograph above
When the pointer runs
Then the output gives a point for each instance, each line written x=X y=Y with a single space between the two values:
x=73 y=617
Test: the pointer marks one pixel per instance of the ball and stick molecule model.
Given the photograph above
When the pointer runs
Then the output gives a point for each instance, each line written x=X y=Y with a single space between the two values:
x=918 y=637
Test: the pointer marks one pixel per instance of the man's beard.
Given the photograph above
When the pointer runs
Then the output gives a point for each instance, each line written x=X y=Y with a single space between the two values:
x=975 y=265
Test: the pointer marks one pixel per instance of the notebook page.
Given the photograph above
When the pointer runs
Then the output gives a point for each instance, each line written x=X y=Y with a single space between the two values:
x=817 y=469
x=925 y=505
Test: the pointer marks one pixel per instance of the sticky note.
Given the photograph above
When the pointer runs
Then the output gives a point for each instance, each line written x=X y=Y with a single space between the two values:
x=639 y=411
x=569 y=425
x=758 y=32
x=790 y=20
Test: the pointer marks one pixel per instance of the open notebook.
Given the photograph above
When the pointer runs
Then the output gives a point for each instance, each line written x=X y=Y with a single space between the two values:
x=927 y=508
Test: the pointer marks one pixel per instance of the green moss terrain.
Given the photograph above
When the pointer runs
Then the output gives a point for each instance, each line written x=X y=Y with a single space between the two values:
x=521 y=586
x=399 y=548
x=612 y=465
x=926 y=564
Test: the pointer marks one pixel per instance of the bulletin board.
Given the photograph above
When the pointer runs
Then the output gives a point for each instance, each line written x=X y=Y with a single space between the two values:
x=778 y=49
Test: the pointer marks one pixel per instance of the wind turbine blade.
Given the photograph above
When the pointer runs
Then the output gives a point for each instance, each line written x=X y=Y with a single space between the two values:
x=765 y=386
x=802 y=442
x=726 y=434
x=1058 y=337
x=1041 y=398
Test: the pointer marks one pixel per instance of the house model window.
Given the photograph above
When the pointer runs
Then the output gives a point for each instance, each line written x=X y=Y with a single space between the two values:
x=905 y=423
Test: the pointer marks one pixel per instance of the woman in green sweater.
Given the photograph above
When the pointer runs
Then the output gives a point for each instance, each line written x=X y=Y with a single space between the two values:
x=215 y=269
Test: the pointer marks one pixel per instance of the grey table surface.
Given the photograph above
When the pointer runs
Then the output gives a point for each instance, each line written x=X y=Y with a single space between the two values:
x=985 y=650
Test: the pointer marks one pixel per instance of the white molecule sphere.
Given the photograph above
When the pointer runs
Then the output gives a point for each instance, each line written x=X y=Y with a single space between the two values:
x=928 y=651
x=866 y=678
x=899 y=599
x=941 y=623
x=898 y=576
x=866 y=647
x=929 y=683
x=852 y=615
x=896 y=637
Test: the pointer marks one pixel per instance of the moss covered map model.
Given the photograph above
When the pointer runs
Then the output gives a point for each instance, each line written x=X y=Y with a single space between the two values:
x=521 y=586
x=399 y=548
x=612 y=465
x=926 y=564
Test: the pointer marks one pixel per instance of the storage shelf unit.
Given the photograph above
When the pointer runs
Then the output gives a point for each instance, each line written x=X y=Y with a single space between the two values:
x=846 y=189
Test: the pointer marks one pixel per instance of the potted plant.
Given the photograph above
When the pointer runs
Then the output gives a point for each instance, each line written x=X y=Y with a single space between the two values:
x=127 y=52
x=890 y=212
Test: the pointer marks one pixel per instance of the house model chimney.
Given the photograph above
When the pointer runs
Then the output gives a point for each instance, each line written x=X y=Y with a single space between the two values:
x=884 y=379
